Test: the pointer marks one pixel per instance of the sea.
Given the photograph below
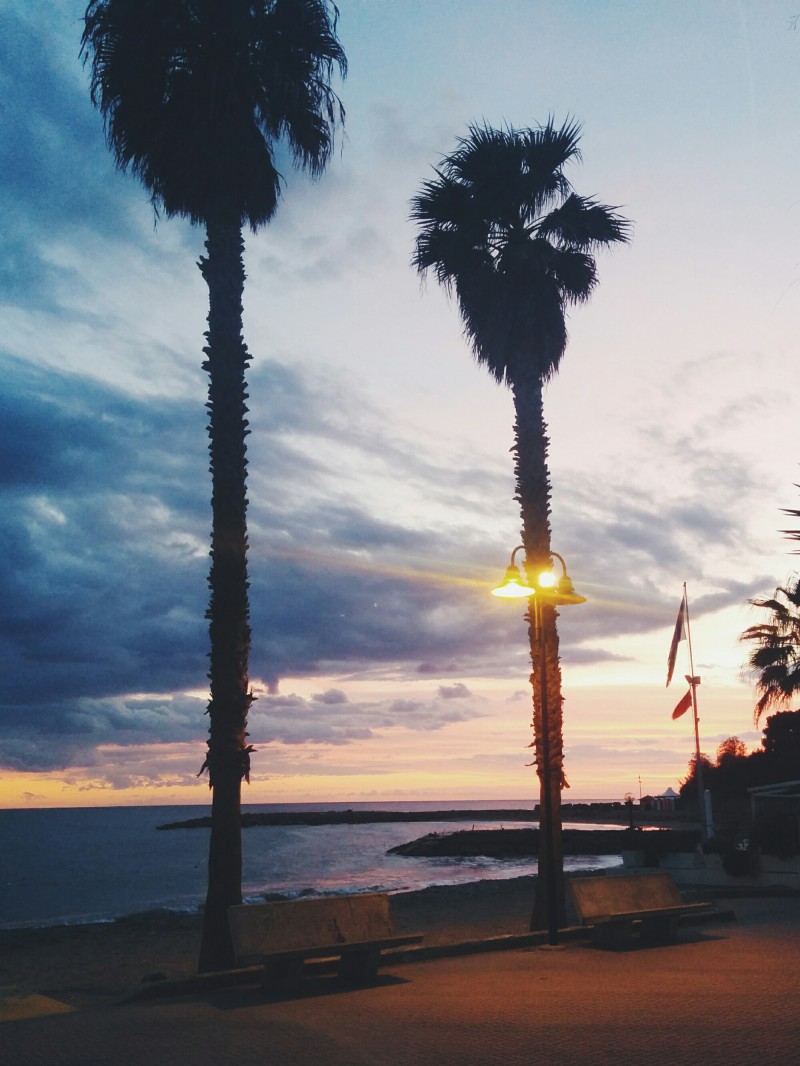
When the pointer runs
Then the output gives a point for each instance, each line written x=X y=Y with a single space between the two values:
x=92 y=864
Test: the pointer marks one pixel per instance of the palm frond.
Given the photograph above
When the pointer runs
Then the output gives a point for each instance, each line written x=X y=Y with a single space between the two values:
x=775 y=654
x=575 y=274
x=194 y=97
x=546 y=151
x=581 y=222
x=792 y=534
x=501 y=228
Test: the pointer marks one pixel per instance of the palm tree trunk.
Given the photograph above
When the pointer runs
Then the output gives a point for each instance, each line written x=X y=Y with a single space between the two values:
x=227 y=759
x=533 y=494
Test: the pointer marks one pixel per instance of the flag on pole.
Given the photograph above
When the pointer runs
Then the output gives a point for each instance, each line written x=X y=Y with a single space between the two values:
x=684 y=705
x=677 y=637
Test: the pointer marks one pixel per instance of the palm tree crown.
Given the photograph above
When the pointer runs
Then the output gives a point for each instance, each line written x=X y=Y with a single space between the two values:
x=775 y=654
x=194 y=94
x=502 y=228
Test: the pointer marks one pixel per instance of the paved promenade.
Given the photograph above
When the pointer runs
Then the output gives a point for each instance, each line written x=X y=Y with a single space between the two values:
x=728 y=993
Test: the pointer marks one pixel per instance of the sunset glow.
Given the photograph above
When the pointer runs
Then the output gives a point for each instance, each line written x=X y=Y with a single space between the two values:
x=381 y=488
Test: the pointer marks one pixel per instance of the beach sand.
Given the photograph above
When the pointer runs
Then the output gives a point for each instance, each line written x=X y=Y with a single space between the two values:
x=84 y=965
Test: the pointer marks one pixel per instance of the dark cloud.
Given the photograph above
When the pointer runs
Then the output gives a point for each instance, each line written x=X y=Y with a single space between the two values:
x=104 y=511
x=105 y=523
x=103 y=564
x=42 y=736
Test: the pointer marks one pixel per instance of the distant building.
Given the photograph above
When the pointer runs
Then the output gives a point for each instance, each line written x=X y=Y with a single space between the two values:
x=667 y=801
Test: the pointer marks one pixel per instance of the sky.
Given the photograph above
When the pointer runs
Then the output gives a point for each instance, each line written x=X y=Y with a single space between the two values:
x=380 y=481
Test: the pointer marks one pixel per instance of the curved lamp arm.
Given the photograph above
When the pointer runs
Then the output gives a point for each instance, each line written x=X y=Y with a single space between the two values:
x=558 y=593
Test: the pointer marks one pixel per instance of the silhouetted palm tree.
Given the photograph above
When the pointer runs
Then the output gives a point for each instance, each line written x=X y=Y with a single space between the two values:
x=502 y=230
x=195 y=94
x=775 y=654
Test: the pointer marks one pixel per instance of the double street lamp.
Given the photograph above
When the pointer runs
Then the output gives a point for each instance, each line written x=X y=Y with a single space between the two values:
x=552 y=591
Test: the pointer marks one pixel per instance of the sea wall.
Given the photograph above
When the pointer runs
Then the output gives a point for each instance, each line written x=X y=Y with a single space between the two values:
x=698 y=868
x=512 y=843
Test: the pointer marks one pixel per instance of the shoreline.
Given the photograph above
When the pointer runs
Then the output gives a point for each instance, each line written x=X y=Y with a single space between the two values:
x=191 y=915
x=101 y=962
x=92 y=965
x=499 y=854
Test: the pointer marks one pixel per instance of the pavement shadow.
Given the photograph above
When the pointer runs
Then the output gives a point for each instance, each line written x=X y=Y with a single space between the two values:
x=238 y=997
x=634 y=943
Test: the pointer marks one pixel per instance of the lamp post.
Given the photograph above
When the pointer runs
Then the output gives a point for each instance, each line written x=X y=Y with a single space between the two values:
x=554 y=593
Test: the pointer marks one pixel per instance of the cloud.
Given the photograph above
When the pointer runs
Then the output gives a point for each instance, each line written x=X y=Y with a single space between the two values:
x=105 y=523
x=331 y=696
x=49 y=208
x=40 y=736
x=292 y=719
x=105 y=519
x=381 y=494
x=585 y=656
x=454 y=692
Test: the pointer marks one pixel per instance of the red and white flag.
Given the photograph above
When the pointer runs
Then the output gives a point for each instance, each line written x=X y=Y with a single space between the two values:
x=684 y=705
x=677 y=637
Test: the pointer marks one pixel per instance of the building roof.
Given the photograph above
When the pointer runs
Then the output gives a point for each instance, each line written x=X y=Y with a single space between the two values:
x=778 y=799
x=782 y=790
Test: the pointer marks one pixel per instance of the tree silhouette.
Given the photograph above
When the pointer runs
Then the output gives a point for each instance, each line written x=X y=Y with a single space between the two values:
x=775 y=644
x=195 y=95
x=502 y=230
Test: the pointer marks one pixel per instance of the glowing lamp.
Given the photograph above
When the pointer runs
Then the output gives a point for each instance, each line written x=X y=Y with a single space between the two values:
x=560 y=592
x=513 y=586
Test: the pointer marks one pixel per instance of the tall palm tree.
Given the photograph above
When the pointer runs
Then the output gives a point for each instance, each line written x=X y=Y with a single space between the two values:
x=775 y=654
x=501 y=228
x=195 y=95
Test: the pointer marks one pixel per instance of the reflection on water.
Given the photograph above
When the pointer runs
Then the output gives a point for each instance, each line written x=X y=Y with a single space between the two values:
x=67 y=865
x=346 y=858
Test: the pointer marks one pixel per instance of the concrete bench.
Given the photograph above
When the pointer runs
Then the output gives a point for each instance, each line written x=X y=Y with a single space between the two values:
x=617 y=905
x=282 y=935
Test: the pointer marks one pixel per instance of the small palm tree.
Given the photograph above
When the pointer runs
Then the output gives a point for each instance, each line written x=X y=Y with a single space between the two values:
x=195 y=94
x=501 y=228
x=775 y=654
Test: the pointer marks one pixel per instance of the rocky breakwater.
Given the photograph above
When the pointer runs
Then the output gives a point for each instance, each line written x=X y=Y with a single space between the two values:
x=513 y=843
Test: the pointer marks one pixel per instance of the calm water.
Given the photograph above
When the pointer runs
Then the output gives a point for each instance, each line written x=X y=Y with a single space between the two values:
x=89 y=864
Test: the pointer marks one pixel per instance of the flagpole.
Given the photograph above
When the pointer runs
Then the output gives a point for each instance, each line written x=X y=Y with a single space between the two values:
x=693 y=683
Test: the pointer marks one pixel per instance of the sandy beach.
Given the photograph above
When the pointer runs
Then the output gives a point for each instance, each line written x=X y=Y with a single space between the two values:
x=85 y=964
